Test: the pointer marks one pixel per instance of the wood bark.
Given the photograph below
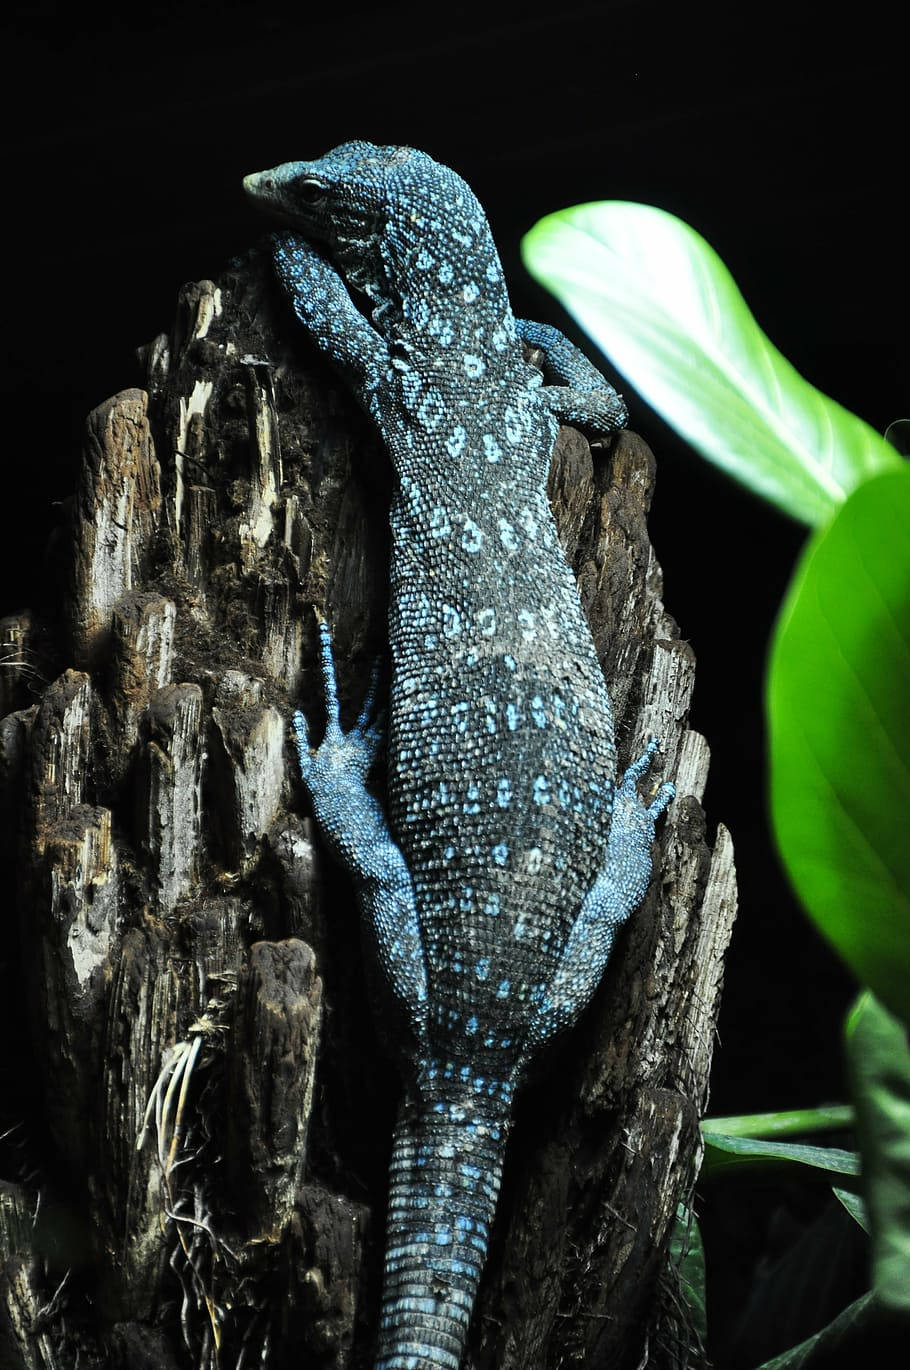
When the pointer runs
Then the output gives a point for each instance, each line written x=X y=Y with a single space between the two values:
x=198 y=1111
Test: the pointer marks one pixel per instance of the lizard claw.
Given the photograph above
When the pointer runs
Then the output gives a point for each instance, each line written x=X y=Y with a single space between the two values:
x=662 y=799
x=638 y=770
x=369 y=698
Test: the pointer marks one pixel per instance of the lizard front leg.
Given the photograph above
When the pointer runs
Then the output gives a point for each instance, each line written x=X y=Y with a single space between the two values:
x=617 y=891
x=581 y=395
x=320 y=300
x=354 y=825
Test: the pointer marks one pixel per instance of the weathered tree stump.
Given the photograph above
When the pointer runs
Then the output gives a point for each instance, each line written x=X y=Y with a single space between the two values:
x=199 y=1108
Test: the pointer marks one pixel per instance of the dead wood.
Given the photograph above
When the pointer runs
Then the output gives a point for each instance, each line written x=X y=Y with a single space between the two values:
x=200 y=1103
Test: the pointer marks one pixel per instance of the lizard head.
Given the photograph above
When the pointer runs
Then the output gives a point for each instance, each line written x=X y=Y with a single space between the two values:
x=376 y=210
x=340 y=194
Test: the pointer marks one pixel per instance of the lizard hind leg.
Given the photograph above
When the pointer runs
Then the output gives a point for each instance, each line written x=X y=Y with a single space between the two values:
x=354 y=825
x=618 y=889
x=574 y=390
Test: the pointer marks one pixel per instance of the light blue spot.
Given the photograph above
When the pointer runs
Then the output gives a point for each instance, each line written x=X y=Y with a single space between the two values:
x=486 y=622
x=456 y=440
x=538 y=712
x=470 y=292
x=472 y=537
x=491 y=447
x=528 y=522
x=470 y=1028
x=501 y=853
x=541 y=790
x=411 y=389
x=503 y=793
x=509 y=661
x=431 y=410
x=514 y=424
x=438 y=523
x=512 y=716
x=528 y=625
x=491 y=907
x=451 y=621
x=446 y=273
x=473 y=366
x=503 y=991
x=507 y=536
x=482 y=969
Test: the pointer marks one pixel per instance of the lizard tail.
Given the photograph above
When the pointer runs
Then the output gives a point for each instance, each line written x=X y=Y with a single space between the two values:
x=443 y=1186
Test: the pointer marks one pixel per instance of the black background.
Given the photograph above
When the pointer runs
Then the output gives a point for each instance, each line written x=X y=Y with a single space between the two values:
x=779 y=134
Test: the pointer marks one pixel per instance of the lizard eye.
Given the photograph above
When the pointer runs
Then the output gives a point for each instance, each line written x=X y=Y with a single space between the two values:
x=310 y=191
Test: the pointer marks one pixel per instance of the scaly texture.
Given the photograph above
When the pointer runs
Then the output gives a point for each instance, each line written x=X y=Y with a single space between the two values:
x=494 y=879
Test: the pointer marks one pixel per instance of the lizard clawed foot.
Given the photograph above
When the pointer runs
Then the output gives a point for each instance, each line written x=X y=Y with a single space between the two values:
x=341 y=756
x=637 y=771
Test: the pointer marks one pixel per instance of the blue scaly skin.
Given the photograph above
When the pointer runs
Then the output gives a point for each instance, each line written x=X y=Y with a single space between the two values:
x=493 y=879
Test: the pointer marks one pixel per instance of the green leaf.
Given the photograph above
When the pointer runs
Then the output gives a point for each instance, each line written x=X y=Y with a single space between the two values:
x=687 y=1254
x=833 y=1118
x=723 y=1153
x=838 y=690
x=662 y=305
x=844 y=1332
x=879 y=1060
x=854 y=1205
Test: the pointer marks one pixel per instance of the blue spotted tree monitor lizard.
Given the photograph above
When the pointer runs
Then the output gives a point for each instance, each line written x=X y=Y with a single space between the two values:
x=493 y=879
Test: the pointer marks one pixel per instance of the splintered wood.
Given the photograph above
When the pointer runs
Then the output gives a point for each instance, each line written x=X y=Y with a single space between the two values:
x=200 y=1127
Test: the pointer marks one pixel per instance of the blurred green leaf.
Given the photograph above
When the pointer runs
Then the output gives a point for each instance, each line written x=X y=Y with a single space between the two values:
x=838 y=691
x=688 y=1255
x=723 y=1153
x=843 y=1333
x=833 y=1118
x=662 y=305
x=879 y=1060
